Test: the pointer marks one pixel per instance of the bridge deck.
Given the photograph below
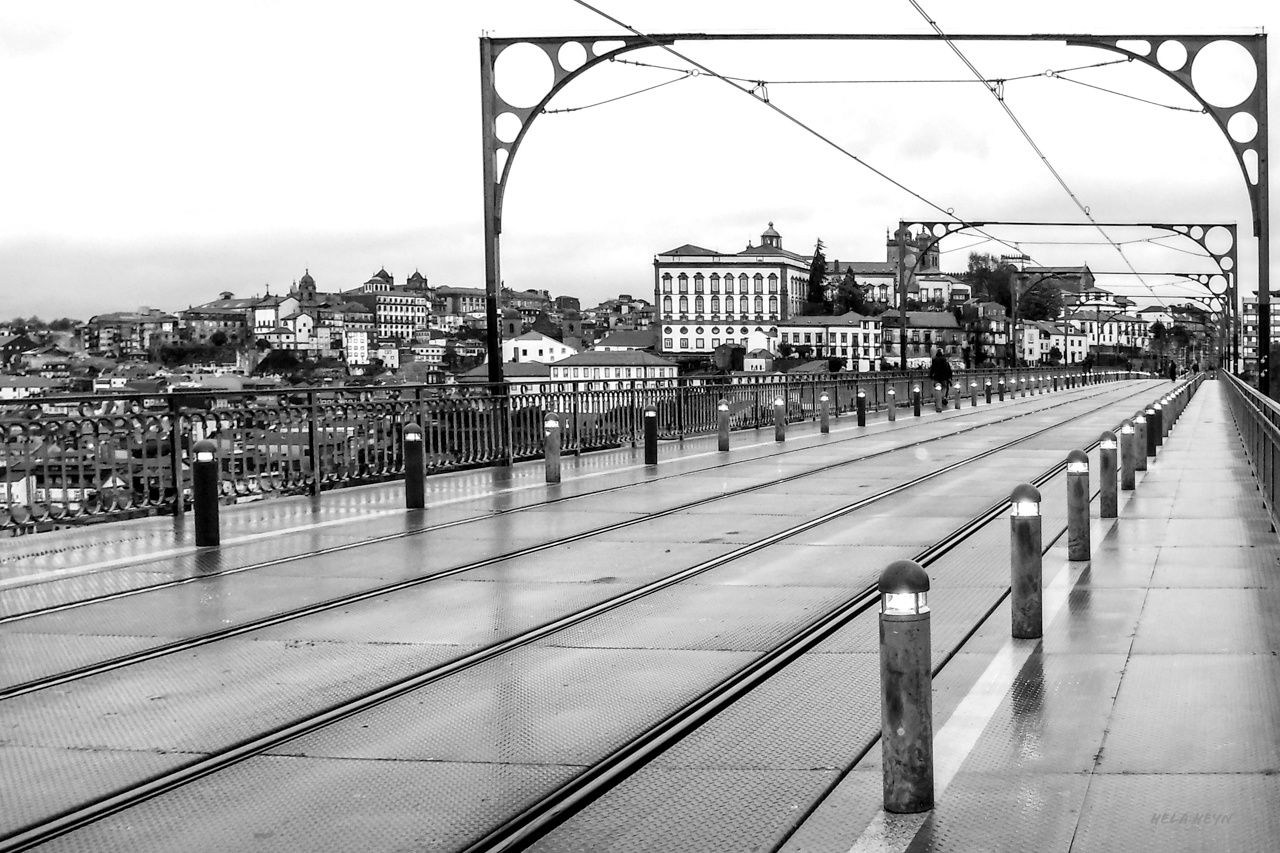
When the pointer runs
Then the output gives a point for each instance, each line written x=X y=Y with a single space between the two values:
x=430 y=768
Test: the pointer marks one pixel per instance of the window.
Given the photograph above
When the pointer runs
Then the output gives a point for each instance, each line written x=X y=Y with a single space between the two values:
x=684 y=343
x=715 y=304
x=629 y=369
x=575 y=373
x=684 y=305
x=759 y=304
x=744 y=304
x=700 y=343
x=698 y=304
x=759 y=280
x=666 y=344
x=742 y=283
x=666 y=282
x=773 y=304
x=684 y=283
x=697 y=283
x=728 y=305
x=715 y=282
x=773 y=283
x=715 y=342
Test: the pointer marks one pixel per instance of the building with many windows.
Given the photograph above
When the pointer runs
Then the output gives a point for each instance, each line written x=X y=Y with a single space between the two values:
x=706 y=298
x=852 y=337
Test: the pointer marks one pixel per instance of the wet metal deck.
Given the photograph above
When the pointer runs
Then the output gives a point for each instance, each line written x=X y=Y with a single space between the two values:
x=429 y=769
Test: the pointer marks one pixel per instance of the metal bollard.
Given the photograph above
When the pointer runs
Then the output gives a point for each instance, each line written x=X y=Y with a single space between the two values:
x=937 y=396
x=414 y=468
x=1142 y=447
x=891 y=396
x=988 y=392
x=1001 y=389
x=956 y=389
x=1152 y=430
x=651 y=435
x=973 y=393
x=551 y=446
x=1078 y=546
x=1166 y=419
x=862 y=408
x=1108 y=496
x=1055 y=383
x=722 y=409
x=1158 y=422
x=1023 y=383
x=204 y=493
x=915 y=400
x=1128 y=452
x=906 y=689
x=1026 y=588
x=824 y=414
x=779 y=419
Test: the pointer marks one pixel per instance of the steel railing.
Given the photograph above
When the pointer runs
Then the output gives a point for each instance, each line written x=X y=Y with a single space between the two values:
x=1257 y=419
x=71 y=460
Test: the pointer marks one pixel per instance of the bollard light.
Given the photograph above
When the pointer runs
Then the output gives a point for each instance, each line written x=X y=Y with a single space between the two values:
x=1108 y=471
x=723 y=408
x=824 y=413
x=891 y=400
x=207 y=455
x=1078 y=545
x=414 y=468
x=862 y=408
x=906 y=689
x=551 y=446
x=1126 y=428
x=1026 y=562
x=204 y=493
x=779 y=419
x=651 y=434
x=1108 y=441
x=1128 y=450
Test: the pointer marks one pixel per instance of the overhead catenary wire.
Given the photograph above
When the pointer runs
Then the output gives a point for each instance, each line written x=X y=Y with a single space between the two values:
x=998 y=94
x=750 y=92
x=684 y=76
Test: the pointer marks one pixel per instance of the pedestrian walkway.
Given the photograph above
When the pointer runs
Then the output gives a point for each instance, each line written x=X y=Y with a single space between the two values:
x=1146 y=718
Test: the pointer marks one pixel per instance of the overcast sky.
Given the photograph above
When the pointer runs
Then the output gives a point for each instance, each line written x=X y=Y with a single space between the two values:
x=156 y=153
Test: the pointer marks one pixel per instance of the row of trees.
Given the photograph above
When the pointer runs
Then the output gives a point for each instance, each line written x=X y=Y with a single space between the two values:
x=34 y=325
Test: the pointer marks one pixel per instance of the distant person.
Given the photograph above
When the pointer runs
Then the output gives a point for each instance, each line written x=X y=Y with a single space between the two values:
x=1173 y=371
x=940 y=372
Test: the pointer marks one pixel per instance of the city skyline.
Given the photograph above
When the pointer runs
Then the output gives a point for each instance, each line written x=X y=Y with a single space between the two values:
x=167 y=157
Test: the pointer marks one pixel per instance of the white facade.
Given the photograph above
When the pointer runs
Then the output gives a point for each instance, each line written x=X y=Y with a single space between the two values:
x=357 y=343
x=536 y=347
x=400 y=313
x=853 y=337
x=706 y=298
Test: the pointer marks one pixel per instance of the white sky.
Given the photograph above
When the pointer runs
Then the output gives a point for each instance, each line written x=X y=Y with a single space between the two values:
x=156 y=153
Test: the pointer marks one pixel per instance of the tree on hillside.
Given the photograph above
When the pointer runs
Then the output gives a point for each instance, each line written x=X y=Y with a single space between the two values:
x=989 y=278
x=850 y=297
x=816 y=296
x=1042 y=302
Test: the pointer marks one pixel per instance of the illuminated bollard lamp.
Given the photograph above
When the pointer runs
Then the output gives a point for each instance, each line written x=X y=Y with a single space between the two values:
x=1026 y=563
x=1140 y=445
x=1128 y=452
x=862 y=408
x=937 y=397
x=915 y=400
x=956 y=389
x=722 y=411
x=779 y=419
x=891 y=396
x=906 y=689
x=1158 y=408
x=1078 y=546
x=1001 y=389
x=1108 y=474
x=204 y=493
x=1023 y=384
x=973 y=394
x=551 y=446
x=651 y=435
x=988 y=392
x=414 y=468
x=824 y=414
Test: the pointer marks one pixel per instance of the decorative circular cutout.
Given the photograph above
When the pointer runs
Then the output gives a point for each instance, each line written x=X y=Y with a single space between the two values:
x=1197 y=232
x=507 y=127
x=1242 y=127
x=1218 y=240
x=571 y=56
x=1224 y=73
x=522 y=74
x=1171 y=55
x=1217 y=284
x=1227 y=264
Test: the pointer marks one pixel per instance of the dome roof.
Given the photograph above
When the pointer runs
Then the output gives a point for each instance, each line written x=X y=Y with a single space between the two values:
x=769 y=232
x=306 y=278
x=511 y=314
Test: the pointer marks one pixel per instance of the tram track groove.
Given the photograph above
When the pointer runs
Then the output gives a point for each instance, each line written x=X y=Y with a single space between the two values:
x=188 y=643
x=88 y=813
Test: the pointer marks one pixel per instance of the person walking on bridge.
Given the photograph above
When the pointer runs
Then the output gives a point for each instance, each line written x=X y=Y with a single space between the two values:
x=940 y=372
x=1173 y=371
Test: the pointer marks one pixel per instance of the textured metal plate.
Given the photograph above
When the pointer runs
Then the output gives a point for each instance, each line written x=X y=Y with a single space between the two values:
x=1162 y=724
x=1180 y=813
x=1004 y=812
x=1225 y=620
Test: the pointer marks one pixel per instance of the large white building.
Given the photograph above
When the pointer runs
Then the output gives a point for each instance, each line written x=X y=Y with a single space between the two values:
x=853 y=337
x=706 y=298
x=537 y=347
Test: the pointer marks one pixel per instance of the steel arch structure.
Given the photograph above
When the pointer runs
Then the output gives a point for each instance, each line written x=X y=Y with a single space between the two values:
x=1175 y=56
